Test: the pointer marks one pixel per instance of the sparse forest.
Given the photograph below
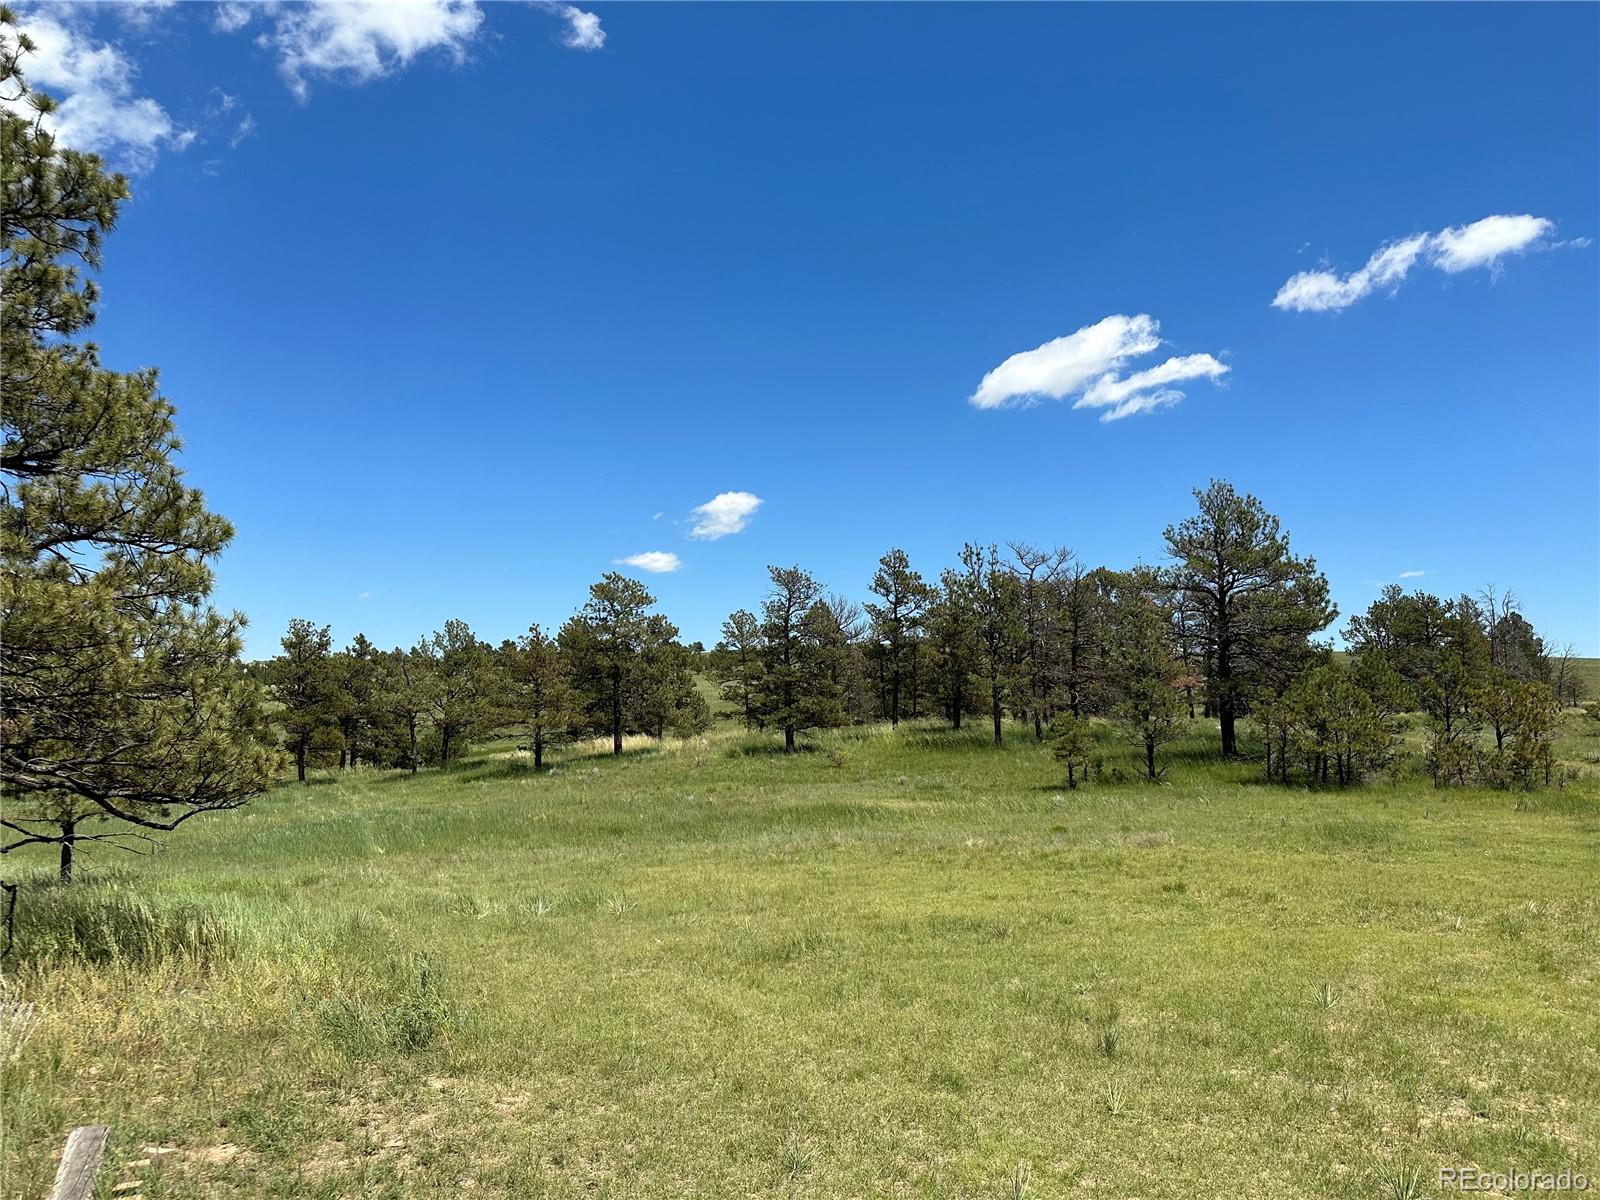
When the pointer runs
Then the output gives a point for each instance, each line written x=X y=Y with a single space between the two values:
x=1234 y=629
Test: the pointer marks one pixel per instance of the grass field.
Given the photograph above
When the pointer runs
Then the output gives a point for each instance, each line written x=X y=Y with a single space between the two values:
x=902 y=964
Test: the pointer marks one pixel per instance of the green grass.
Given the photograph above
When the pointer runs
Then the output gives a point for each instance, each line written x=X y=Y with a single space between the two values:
x=1588 y=671
x=903 y=964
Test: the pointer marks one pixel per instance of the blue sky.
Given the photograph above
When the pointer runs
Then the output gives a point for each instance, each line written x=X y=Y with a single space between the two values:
x=459 y=305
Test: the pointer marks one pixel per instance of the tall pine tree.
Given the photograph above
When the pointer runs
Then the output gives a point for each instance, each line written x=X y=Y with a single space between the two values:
x=123 y=696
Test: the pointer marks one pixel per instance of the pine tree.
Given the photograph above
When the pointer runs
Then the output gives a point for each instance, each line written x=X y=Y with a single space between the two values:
x=407 y=691
x=1073 y=746
x=799 y=635
x=739 y=671
x=1338 y=728
x=953 y=635
x=1039 y=574
x=460 y=697
x=664 y=696
x=1256 y=605
x=1144 y=669
x=1535 y=719
x=997 y=606
x=1438 y=651
x=357 y=672
x=539 y=695
x=305 y=685
x=897 y=622
x=121 y=693
x=604 y=643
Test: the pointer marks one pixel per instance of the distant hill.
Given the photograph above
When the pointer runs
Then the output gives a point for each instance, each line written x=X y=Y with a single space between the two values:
x=1589 y=673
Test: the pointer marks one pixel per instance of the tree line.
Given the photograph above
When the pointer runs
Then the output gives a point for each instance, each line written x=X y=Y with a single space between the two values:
x=615 y=668
x=1226 y=629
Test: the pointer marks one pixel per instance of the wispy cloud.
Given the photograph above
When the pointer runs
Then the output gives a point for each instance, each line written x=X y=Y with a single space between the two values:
x=1412 y=574
x=1458 y=248
x=724 y=513
x=99 y=110
x=1088 y=364
x=358 y=42
x=230 y=16
x=657 y=562
x=1319 y=291
x=583 y=30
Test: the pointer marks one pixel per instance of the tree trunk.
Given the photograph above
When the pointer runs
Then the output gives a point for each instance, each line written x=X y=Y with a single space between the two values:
x=68 y=844
x=894 y=697
x=1225 y=698
x=1150 y=758
x=994 y=702
x=1076 y=682
x=411 y=727
x=616 y=710
x=300 y=759
x=788 y=739
x=444 y=744
x=538 y=747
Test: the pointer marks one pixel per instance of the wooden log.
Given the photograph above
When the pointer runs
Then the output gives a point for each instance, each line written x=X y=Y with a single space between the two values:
x=80 y=1162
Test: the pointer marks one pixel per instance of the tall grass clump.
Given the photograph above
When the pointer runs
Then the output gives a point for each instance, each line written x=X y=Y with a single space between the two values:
x=405 y=1009
x=114 y=924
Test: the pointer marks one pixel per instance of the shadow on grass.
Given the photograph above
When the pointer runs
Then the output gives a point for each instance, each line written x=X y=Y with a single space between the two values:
x=753 y=747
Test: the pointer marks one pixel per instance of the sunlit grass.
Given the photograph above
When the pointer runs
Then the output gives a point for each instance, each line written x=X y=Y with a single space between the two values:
x=903 y=963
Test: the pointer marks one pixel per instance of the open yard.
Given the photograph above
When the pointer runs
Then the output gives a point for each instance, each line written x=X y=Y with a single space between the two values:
x=901 y=964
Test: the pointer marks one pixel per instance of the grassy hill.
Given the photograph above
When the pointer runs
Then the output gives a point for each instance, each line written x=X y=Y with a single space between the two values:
x=1589 y=673
x=903 y=964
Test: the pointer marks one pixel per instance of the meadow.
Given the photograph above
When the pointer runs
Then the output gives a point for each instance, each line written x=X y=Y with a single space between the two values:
x=903 y=963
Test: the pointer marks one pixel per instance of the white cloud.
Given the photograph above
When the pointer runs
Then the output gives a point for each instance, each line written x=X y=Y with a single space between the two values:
x=364 y=41
x=245 y=129
x=1412 y=574
x=141 y=13
x=1484 y=243
x=93 y=82
x=1459 y=248
x=1089 y=363
x=583 y=28
x=1147 y=390
x=657 y=562
x=1320 y=291
x=230 y=16
x=724 y=513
